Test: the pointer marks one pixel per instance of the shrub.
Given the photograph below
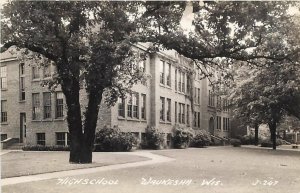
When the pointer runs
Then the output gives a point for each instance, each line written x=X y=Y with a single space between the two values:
x=249 y=139
x=153 y=139
x=182 y=137
x=235 y=142
x=45 y=148
x=269 y=143
x=201 y=139
x=112 y=139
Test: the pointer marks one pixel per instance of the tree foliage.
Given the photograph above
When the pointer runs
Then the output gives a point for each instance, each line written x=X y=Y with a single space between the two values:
x=92 y=42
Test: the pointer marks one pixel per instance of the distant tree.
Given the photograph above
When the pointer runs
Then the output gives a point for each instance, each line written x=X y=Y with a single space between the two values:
x=267 y=94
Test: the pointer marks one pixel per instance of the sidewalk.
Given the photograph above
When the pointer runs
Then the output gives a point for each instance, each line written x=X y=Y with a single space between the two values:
x=139 y=158
x=280 y=148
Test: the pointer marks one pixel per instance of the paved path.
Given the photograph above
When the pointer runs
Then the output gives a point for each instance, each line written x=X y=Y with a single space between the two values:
x=154 y=159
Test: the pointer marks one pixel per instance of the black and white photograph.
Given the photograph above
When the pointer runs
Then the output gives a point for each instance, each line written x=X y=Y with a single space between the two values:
x=150 y=96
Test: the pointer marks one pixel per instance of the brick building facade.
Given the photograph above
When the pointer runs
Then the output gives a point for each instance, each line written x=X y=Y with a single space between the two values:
x=174 y=95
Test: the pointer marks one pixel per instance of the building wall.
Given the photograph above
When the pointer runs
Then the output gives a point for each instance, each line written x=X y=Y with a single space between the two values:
x=109 y=115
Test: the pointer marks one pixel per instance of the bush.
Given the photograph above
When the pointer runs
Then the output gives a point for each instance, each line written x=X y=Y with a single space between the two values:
x=201 y=139
x=45 y=148
x=153 y=139
x=182 y=137
x=112 y=139
x=235 y=142
x=249 y=139
x=269 y=143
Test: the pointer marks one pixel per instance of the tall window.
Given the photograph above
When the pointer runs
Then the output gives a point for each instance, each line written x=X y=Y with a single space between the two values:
x=22 y=88
x=3 y=77
x=188 y=115
x=198 y=96
x=59 y=105
x=183 y=113
x=218 y=122
x=183 y=82
x=179 y=81
x=224 y=123
x=3 y=111
x=219 y=102
x=47 y=105
x=135 y=105
x=35 y=72
x=129 y=106
x=143 y=106
x=121 y=107
x=175 y=112
x=195 y=119
x=169 y=110
x=179 y=112
x=142 y=65
x=188 y=86
x=47 y=71
x=211 y=101
x=199 y=119
x=35 y=106
x=168 y=74
x=162 y=108
x=41 y=139
x=162 y=72
x=22 y=81
x=176 y=79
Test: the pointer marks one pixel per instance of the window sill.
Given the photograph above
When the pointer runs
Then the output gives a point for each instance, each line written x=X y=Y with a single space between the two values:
x=4 y=123
x=59 y=119
x=47 y=78
x=165 y=86
x=47 y=120
x=35 y=120
x=36 y=80
x=132 y=119
x=23 y=101
x=121 y=118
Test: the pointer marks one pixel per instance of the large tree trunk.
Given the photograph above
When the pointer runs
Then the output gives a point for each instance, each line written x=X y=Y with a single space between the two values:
x=273 y=134
x=74 y=122
x=91 y=117
x=256 y=135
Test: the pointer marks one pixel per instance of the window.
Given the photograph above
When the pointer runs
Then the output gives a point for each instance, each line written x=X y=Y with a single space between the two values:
x=47 y=71
x=179 y=113
x=3 y=111
x=183 y=113
x=22 y=88
x=3 y=76
x=175 y=112
x=3 y=137
x=198 y=96
x=47 y=105
x=142 y=65
x=188 y=86
x=199 y=119
x=211 y=101
x=161 y=72
x=129 y=106
x=35 y=106
x=195 y=119
x=169 y=110
x=195 y=95
x=168 y=74
x=59 y=105
x=219 y=102
x=179 y=81
x=35 y=72
x=162 y=108
x=183 y=82
x=143 y=106
x=61 y=138
x=224 y=123
x=41 y=139
x=176 y=79
x=121 y=107
x=218 y=122
x=135 y=105
x=188 y=115
x=132 y=105
x=22 y=69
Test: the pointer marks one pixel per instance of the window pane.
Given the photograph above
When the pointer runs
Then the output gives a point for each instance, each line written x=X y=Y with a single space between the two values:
x=47 y=105
x=35 y=106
